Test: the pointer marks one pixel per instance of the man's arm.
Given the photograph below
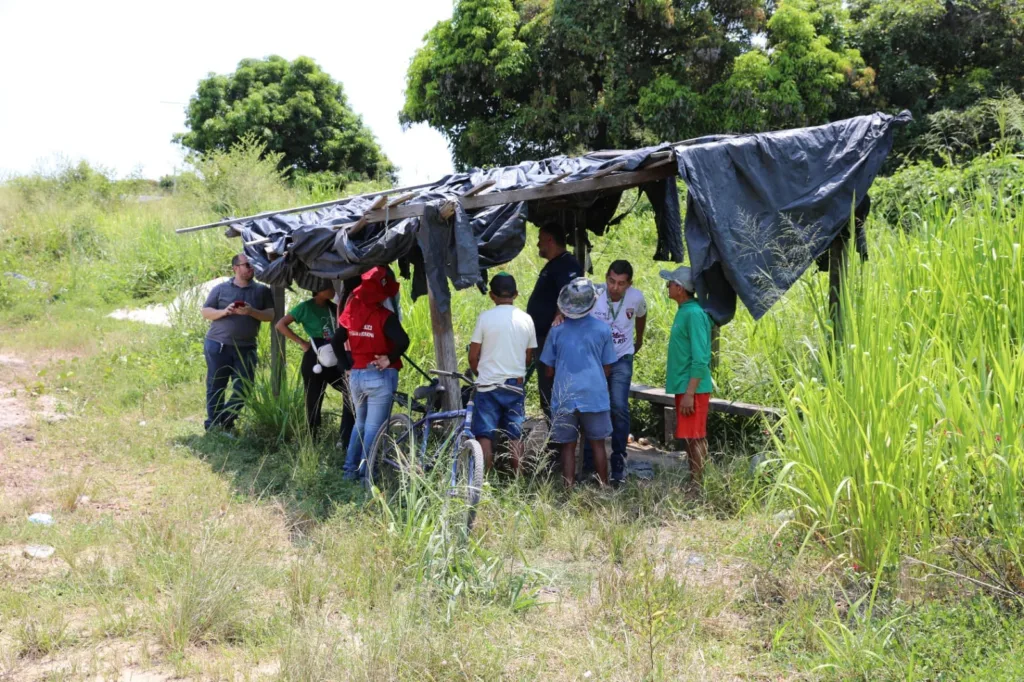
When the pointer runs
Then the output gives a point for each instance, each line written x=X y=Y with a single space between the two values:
x=686 y=405
x=529 y=356
x=641 y=325
x=474 y=357
x=212 y=314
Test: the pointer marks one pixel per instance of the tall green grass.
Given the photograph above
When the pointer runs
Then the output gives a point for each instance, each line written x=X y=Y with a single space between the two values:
x=910 y=431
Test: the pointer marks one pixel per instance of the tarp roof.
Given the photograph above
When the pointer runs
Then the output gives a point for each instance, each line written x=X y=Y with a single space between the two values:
x=760 y=209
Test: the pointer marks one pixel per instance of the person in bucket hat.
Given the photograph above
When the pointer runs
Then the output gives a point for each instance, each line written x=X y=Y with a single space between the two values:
x=578 y=355
x=500 y=350
x=688 y=374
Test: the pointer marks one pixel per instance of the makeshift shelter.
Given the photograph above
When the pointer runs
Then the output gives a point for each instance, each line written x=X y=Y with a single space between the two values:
x=760 y=210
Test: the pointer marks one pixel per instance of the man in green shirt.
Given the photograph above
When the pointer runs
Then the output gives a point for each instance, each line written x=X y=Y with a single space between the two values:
x=688 y=374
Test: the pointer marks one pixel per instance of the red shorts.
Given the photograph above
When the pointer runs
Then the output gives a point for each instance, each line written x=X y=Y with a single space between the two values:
x=693 y=425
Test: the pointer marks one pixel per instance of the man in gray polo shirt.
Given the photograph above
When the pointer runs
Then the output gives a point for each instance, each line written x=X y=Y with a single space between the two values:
x=235 y=309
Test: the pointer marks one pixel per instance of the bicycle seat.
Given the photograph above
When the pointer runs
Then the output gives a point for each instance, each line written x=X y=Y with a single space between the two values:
x=425 y=392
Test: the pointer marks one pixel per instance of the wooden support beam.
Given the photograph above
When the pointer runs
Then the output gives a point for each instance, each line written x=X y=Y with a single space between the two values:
x=836 y=271
x=558 y=178
x=580 y=239
x=618 y=181
x=477 y=189
x=716 y=343
x=277 y=344
x=608 y=171
x=357 y=226
x=401 y=200
x=444 y=351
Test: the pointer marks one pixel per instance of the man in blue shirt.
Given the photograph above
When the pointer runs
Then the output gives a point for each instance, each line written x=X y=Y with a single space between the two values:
x=578 y=355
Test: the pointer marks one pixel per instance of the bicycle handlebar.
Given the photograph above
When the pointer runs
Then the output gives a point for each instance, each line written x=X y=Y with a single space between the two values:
x=454 y=375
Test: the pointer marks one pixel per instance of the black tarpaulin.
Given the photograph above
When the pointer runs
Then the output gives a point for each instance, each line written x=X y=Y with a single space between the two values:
x=761 y=208
x=308 y=249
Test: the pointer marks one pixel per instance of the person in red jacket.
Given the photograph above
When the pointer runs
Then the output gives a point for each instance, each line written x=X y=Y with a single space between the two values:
x=376 y=341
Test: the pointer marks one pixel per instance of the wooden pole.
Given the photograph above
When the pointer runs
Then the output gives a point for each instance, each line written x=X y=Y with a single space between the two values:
x=444 y=351
x=277 y=341
x=836 y=271
x=580 y=239
x=716 y=339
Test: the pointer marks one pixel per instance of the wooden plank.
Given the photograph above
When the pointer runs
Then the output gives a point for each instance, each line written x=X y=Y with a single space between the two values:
x=401 y=200
x=619 y=181
x=444 y=351
x=258 y=242
x=473 y=191
x=658 y=396
x=357 y=226
x=277 y=344
x=608 y=171
x=396 y=213
x=558 y=178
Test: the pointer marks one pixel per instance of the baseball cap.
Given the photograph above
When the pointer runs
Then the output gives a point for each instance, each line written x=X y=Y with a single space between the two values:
x=681 y=276
x=503 y=285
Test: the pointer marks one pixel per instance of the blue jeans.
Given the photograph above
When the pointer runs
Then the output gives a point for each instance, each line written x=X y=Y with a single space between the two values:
x=372 y=391
x=225 y=363
x=499 y=409
x=619 y=381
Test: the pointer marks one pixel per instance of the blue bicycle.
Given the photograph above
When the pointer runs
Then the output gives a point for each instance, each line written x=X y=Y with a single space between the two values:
x=401 y=446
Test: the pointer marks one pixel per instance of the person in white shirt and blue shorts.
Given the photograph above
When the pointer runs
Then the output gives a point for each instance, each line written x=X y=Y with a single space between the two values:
x=500 y=350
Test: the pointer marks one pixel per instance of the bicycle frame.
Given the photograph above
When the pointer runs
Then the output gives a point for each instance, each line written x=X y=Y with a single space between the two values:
x=421 y=427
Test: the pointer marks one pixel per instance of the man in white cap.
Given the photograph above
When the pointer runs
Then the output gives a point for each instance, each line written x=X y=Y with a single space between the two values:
x=688 y=374
x=578 y=355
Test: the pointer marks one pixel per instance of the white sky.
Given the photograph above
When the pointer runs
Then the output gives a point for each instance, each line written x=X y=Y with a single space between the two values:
x=107 y=81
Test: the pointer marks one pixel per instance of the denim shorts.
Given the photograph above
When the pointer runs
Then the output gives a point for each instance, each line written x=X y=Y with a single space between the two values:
x=595 y=425
x=499 y=409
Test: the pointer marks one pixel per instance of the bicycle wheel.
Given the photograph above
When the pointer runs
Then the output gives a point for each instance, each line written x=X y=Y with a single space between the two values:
x=468 y=478
x=393 y=450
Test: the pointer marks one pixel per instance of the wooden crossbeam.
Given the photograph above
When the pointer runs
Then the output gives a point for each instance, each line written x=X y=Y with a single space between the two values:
x=473 y=191
x=558 y=178
x=357 y=226
x=618 y=181
x=401 y=200
x=608 y=171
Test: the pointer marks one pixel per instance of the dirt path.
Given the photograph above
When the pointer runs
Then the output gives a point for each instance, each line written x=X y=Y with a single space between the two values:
x=22 y=407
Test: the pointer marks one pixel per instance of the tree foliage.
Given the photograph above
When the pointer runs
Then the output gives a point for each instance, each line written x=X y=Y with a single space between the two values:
x=294 y=108
x=508 y=79
x=511 y=79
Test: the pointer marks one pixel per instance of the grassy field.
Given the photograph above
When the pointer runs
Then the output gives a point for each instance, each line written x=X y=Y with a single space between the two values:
x=881 y=538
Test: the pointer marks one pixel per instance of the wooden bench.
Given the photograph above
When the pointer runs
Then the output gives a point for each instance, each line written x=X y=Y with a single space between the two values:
x=657 y=396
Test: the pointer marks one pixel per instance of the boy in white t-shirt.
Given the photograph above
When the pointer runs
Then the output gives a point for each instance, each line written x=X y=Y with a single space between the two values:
x=499 y=352
x=624 y=309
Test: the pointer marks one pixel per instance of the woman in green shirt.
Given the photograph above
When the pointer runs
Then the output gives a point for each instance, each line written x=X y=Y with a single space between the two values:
x=318 y=318
x=688 y=374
